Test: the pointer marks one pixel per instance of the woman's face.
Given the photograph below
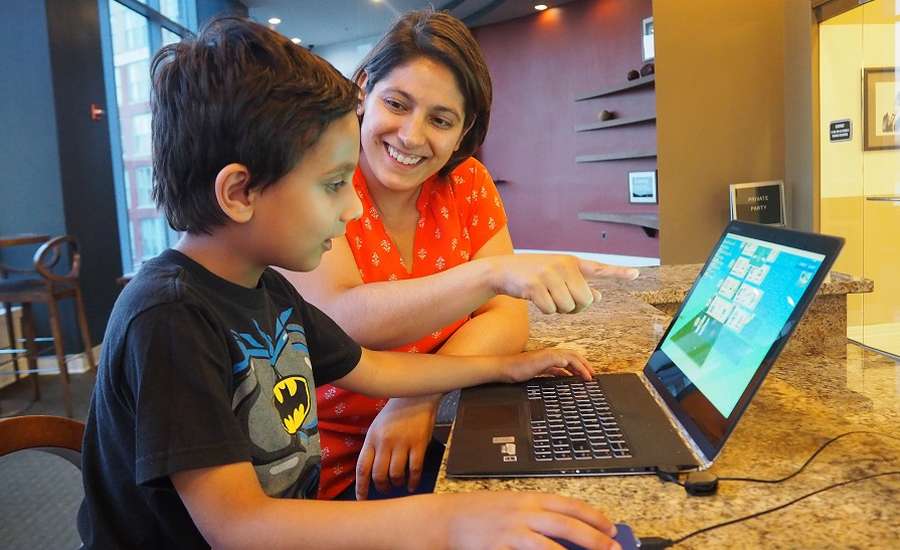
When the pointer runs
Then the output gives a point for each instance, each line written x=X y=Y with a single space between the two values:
x=413 y=121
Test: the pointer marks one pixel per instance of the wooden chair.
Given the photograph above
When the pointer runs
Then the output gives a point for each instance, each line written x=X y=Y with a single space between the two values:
x=52 y=434
x=57 y=254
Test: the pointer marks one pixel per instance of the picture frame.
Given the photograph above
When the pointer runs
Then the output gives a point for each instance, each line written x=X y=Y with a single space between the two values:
x=881 y=109
x=758 y=202
x=647 y=43
x=642 y=187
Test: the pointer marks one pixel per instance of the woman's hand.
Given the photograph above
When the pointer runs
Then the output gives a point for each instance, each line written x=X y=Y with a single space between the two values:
x=396 y=442
x=554 y=283
x=555 y=362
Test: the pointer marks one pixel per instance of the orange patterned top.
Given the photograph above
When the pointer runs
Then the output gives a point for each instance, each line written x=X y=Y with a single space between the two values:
x=457 y=216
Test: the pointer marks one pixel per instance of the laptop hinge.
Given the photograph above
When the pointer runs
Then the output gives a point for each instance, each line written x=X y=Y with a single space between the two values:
x=679 y=428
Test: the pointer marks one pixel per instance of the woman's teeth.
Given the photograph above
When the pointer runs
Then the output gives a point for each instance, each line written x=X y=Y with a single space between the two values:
x=408 y=160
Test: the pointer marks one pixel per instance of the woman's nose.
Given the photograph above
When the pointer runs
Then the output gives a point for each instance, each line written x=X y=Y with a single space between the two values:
x=412 y=132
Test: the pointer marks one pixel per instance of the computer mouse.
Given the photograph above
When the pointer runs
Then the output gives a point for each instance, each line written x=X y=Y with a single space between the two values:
x=624 y=536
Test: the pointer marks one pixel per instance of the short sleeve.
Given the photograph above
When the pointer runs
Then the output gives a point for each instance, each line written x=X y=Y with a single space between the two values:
x=181 y=373
x=332 y=352
x=484 y=212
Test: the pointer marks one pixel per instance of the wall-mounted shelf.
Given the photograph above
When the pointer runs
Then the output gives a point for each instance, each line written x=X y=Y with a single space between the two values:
x=615 y=122
x=636 y=83
x=624 y=155
x=648 y=222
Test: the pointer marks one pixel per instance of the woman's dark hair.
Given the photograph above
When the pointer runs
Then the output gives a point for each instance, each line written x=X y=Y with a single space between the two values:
x=237 y=93
x=443 y=38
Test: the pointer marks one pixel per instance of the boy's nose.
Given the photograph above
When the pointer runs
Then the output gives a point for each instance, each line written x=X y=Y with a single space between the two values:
x=353 y=208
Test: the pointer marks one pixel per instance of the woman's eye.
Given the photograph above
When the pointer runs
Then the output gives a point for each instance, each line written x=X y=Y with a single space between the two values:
x=442 y=123
x=334 y=187
x=393 y=104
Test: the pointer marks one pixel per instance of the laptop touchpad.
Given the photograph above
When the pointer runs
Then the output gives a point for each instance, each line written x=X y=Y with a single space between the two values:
x=493 y=417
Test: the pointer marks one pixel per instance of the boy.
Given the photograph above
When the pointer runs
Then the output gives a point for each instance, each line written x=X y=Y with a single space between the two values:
x=202 y=428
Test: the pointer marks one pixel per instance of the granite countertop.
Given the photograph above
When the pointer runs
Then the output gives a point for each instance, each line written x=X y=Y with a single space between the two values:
x=670 y=283
x=806 y=399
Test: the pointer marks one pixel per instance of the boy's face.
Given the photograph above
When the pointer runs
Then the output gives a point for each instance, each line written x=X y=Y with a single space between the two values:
x=295 y=219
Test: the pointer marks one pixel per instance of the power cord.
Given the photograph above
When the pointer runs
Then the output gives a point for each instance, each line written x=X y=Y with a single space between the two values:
x=707 y=484
x=652 y=543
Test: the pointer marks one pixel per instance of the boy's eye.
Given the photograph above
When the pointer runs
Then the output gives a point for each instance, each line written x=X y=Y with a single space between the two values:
x=334 y=187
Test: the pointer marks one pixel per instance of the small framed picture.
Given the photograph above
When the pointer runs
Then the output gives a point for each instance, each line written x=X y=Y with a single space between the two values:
x=758 y=202
x=647 y=39
x=642 y=187
x=881 y=109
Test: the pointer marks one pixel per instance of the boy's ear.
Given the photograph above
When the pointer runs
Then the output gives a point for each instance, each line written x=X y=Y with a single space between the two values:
x=235 y=200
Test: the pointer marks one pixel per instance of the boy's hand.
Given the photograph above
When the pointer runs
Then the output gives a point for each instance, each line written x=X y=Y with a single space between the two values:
x=554 y=283
x=396 y=440
x=555 y=362
x=525 y=520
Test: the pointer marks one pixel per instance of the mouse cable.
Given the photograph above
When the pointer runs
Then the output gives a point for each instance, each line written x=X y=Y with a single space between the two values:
x=808 y=460
x=653 y=543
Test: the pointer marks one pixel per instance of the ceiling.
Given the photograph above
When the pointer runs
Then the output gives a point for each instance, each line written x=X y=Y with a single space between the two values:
x=325 y=22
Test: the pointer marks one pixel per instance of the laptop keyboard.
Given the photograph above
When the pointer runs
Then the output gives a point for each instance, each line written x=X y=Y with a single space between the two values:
x=573 y=421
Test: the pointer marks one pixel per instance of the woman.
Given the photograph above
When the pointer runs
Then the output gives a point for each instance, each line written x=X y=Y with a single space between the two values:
x=428 y=268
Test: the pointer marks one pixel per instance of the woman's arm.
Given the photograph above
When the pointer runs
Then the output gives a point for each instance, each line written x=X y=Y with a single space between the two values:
x=410 y=309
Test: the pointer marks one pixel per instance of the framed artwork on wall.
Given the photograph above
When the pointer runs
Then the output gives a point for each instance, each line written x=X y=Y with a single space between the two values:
x=881 y=109
x=647 y=38
x=642 y=187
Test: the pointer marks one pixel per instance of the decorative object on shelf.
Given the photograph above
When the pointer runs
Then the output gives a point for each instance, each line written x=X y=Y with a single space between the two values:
x=613 y=122
x=648 y=69
x=758 y=202
x=881 y=109
x=642 y=187
x=606 y=115
x=633 y=75
x=647 y=38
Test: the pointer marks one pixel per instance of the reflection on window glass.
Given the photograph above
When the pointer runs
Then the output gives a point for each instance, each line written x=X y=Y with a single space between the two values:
x=134 y=39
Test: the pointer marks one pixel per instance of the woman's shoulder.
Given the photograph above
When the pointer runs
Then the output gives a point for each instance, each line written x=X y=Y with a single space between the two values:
x=470 y=169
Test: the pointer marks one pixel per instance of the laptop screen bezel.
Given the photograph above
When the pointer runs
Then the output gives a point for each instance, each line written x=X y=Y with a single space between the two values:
x=819 y=244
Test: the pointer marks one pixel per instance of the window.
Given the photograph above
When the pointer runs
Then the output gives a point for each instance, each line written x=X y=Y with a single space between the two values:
x=140 y=126
x=144 y=187
x=133 y=30
x=153 y=237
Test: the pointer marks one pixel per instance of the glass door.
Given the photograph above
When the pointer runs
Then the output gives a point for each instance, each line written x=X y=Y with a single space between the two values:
x=860 y=175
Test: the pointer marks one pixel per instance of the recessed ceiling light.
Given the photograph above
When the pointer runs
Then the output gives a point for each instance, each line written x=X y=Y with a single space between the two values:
x=274 y=21
x=540 y=7
x=296 y=40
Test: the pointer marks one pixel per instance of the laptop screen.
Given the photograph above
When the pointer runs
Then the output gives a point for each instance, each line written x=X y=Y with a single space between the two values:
x=739 y=308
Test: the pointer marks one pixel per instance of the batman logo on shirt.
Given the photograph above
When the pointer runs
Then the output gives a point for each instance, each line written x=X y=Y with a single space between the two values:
x=291 y=398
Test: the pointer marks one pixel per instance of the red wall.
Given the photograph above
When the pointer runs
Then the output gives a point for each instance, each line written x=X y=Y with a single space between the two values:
x=539 y=65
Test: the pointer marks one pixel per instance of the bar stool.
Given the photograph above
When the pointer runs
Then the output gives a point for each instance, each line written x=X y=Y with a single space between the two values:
x=57 y=254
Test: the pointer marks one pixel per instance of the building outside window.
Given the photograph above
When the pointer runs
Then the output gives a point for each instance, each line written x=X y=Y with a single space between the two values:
x=135 y=32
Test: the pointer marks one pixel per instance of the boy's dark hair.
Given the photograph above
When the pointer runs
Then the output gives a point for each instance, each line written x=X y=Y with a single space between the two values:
x=443 y=38
x=237 y=93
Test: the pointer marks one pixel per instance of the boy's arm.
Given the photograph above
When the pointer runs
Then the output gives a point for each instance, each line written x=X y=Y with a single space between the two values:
x=394 y=374
x=231 y=511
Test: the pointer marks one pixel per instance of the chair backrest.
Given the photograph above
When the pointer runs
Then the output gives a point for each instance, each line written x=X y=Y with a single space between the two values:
x=47 y=259
x=52 y=434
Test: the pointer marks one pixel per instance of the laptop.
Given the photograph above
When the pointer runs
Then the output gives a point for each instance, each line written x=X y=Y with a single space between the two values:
x=676 y=414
